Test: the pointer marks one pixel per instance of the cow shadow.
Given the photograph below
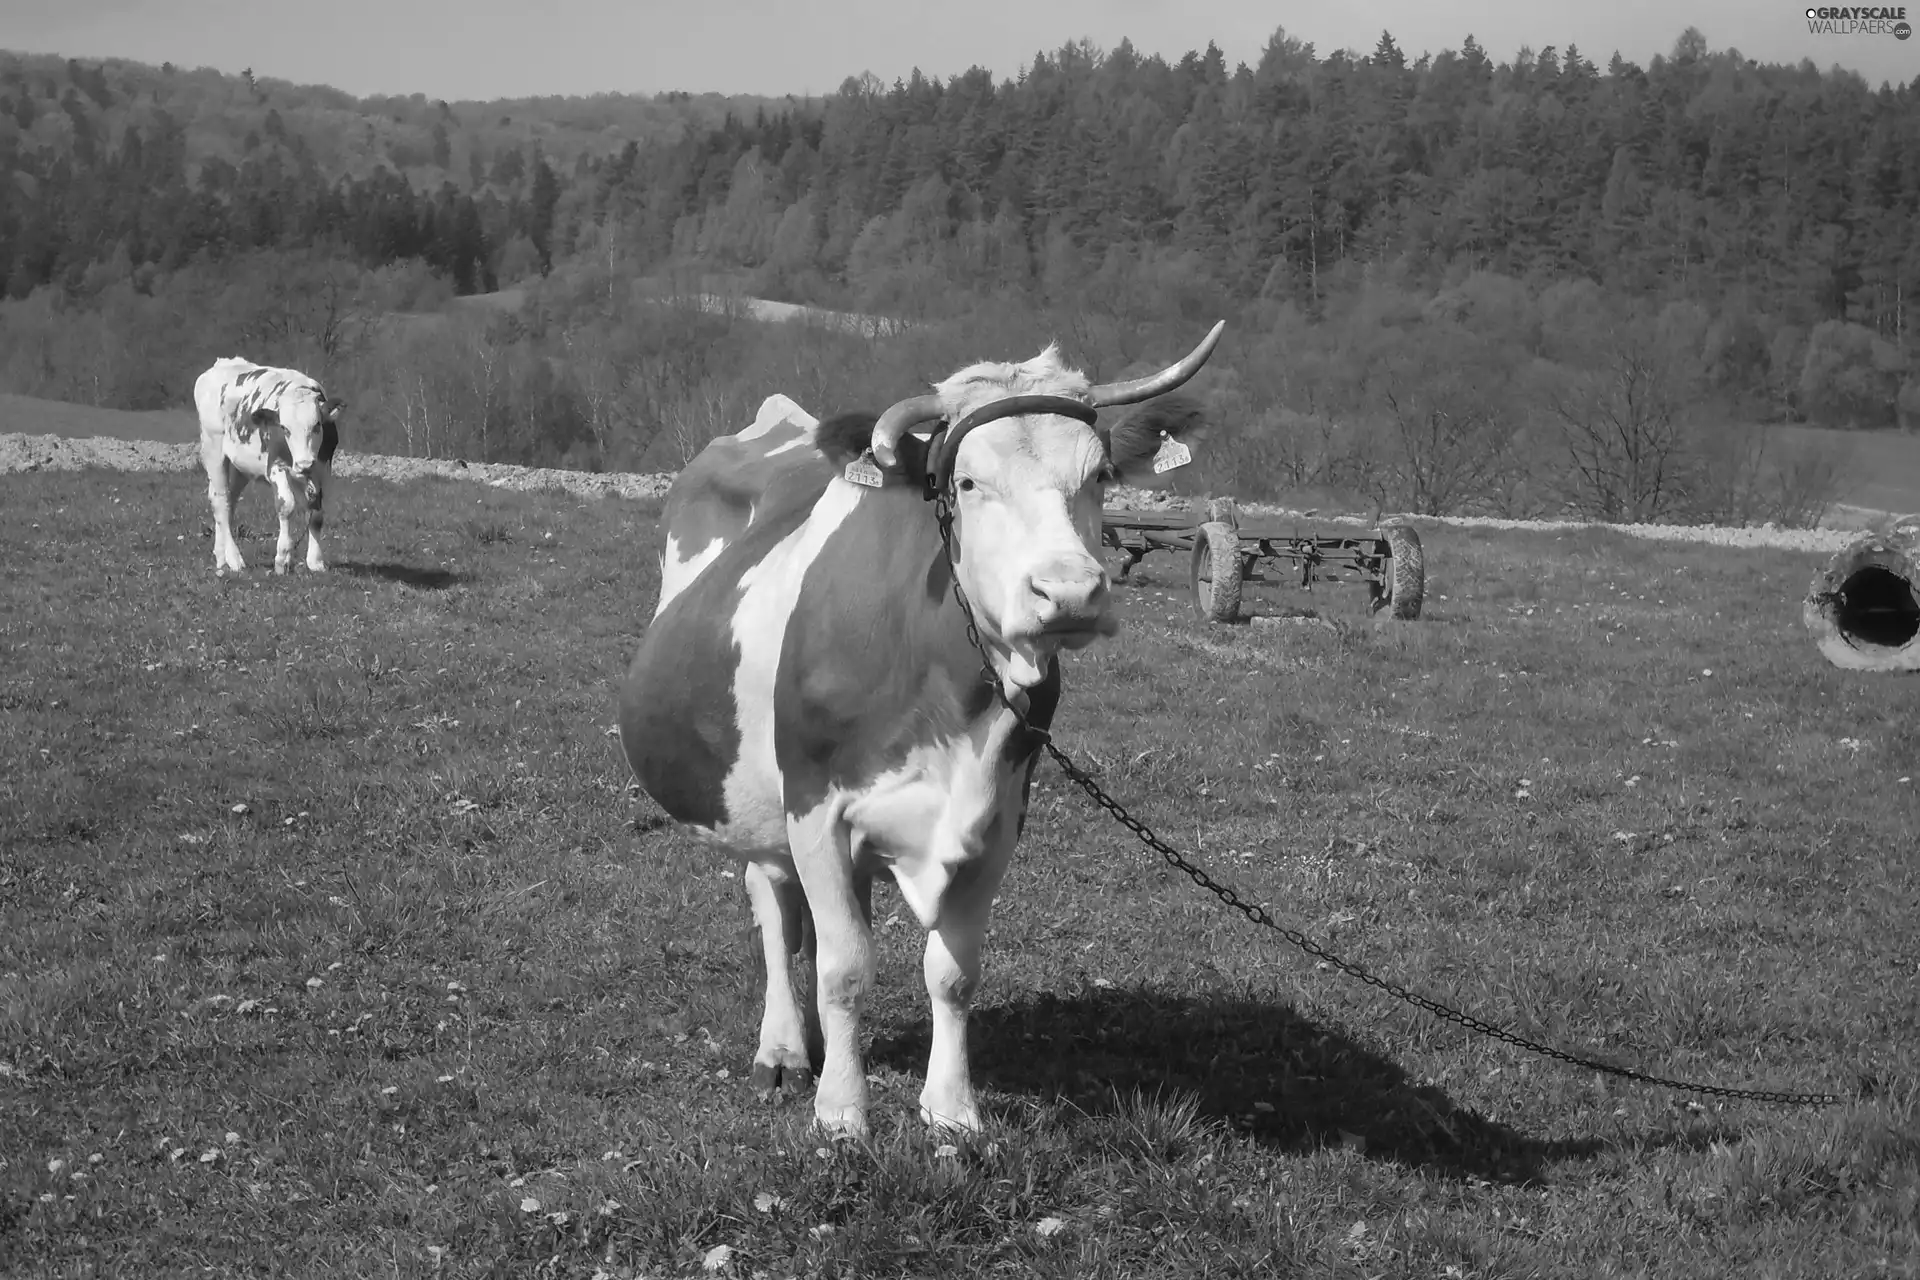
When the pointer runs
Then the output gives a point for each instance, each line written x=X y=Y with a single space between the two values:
x=1260 y=1070
x=406 y=575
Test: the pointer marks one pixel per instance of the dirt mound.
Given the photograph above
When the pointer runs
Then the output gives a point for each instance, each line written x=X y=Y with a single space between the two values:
x=63 y=453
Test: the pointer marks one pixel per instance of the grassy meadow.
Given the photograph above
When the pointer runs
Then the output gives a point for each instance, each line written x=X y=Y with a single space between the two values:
x=334 y=940
x=1883 y=467
x=33 y=416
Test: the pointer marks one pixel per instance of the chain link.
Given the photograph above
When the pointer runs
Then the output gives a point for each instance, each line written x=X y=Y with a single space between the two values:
x=1254 y=912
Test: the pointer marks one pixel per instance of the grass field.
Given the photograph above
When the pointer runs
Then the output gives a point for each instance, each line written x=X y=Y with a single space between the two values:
x=334 y=941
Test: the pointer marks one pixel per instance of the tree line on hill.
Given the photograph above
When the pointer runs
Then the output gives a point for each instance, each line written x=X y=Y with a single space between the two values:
x=1452 y=284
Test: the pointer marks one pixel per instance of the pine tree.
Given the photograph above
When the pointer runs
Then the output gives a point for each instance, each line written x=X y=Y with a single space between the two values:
x=546 y=194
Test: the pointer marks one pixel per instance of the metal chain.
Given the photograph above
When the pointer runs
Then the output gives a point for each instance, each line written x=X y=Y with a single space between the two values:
x=943 y=513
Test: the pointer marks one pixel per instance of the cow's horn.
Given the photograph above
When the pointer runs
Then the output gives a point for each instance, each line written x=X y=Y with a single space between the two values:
x=899 y=420
x=1135 y=390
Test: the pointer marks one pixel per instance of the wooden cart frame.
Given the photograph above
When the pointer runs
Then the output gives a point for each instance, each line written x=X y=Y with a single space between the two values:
x=1223 y=554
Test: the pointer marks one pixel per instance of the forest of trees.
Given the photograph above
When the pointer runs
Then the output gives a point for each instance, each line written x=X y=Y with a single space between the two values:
x=1451 y=283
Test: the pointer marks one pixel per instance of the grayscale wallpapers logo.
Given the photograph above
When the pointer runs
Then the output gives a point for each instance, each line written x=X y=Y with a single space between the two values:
x=1859 y=20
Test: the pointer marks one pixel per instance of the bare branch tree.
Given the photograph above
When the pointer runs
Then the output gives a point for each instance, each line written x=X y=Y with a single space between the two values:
x=1622 y=427
x=1448 y=425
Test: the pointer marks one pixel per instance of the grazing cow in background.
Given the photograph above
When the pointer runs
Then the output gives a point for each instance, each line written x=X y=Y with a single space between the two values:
x=258 y=422
x=807 y=697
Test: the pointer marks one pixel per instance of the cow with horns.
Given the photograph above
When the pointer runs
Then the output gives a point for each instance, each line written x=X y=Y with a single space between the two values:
x=853 y=666
x=258 y=422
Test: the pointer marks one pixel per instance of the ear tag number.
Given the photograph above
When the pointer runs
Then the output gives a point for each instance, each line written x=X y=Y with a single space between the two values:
x=1172 y=454
x=863 y=470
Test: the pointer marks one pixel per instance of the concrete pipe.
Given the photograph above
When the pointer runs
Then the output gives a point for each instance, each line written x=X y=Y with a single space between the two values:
x=1864 y=606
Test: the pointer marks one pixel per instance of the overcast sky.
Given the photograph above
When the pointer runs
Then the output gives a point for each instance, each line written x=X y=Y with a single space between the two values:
x=504 y=48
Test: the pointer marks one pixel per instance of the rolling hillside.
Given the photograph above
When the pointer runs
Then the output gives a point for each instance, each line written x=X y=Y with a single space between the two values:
x=26 y=415
x=231 y=117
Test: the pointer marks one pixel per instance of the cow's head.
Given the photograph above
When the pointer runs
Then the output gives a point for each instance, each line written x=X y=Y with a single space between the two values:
x=1026 y=469
x=309 y=420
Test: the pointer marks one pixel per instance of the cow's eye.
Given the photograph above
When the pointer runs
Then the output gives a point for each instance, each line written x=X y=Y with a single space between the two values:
x=965 y=485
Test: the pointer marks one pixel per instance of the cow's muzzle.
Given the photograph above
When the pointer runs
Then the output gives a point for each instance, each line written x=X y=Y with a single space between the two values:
x=1067 y=603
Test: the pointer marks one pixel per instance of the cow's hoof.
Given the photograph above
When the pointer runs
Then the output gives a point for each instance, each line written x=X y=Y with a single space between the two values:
x=772 y=1078
x=848 y=1123
x=965 y=1124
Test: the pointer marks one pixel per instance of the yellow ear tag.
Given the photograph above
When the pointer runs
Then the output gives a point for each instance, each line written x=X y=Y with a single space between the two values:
x=1172 y=454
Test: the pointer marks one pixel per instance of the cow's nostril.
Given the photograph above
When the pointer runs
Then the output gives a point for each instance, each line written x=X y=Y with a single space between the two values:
x=1069 y=592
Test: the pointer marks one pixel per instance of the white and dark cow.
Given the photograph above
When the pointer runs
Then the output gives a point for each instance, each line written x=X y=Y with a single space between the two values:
x=806 y=695
x=258 y=422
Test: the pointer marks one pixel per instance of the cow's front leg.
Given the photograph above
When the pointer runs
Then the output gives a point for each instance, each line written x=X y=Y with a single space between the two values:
x=780 y=909
x=223 y=490
x=316 y=520
x=952 y=968
x=285 y=504
x=843 y=964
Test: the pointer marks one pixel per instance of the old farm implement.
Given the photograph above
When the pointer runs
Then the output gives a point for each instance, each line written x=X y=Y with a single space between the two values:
x=1223 y=554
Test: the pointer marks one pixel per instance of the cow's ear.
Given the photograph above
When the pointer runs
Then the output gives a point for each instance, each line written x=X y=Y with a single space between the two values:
x=265 y=417
x=845 y=440
x=844 y=437
x=1146 y=447
x=333 y=408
